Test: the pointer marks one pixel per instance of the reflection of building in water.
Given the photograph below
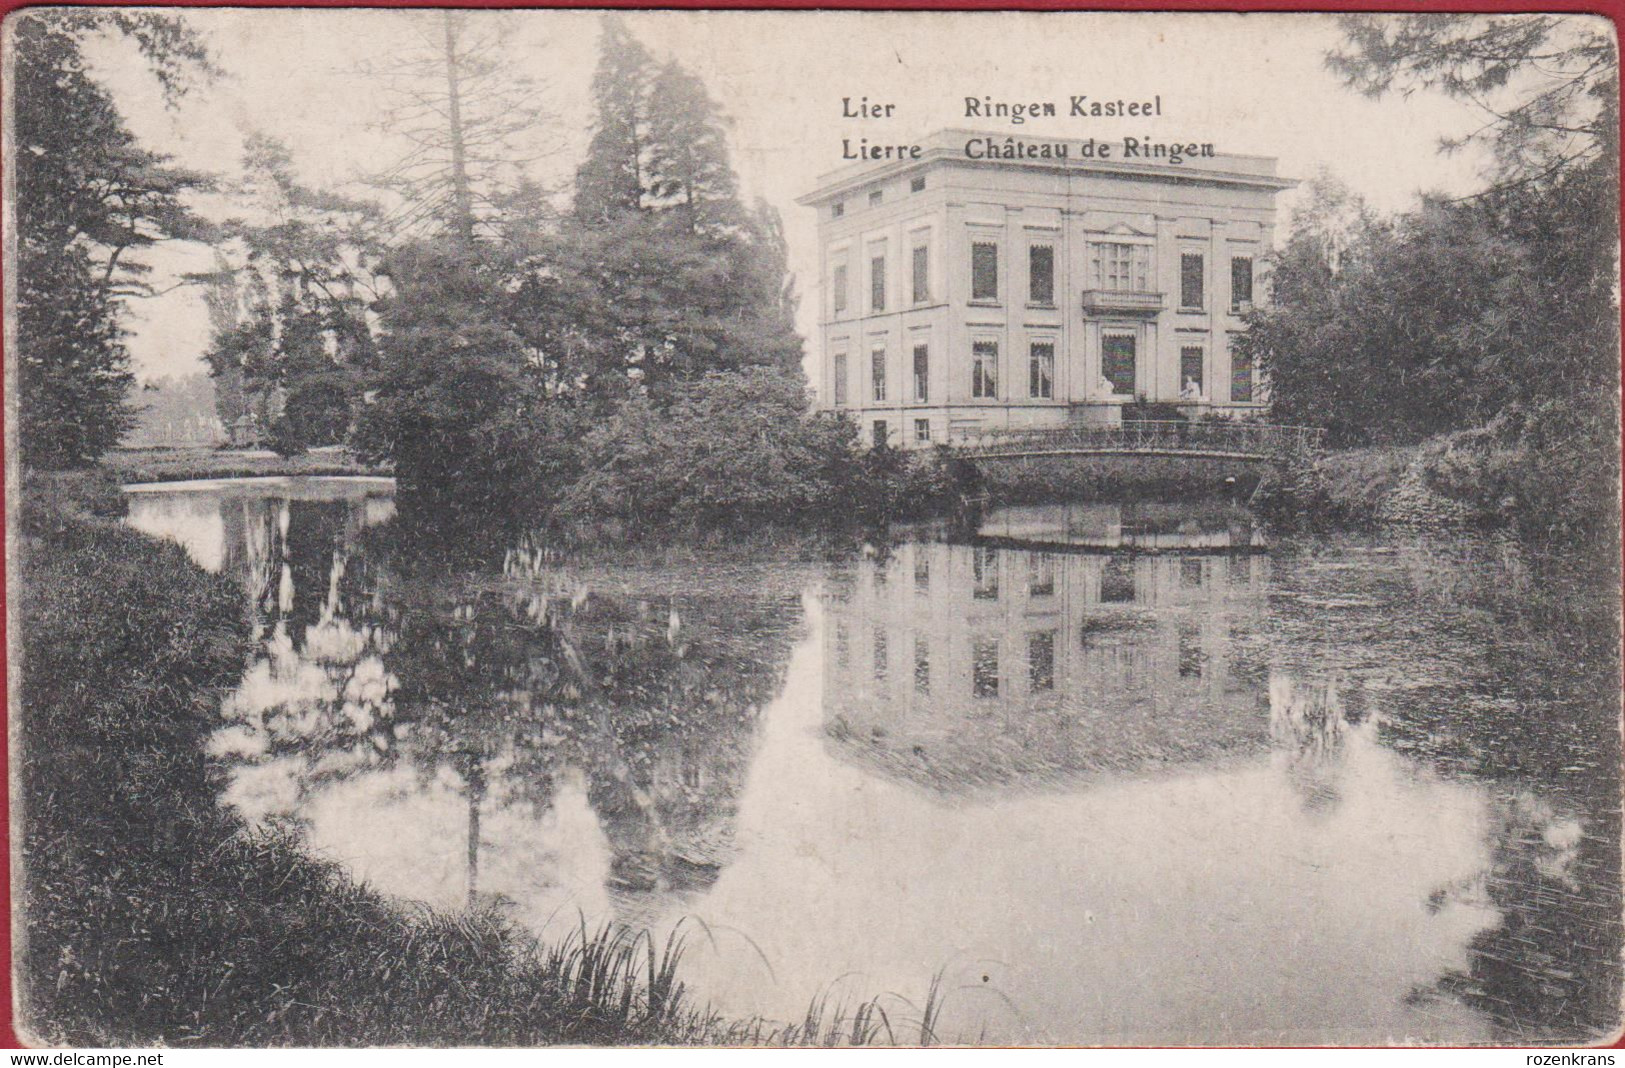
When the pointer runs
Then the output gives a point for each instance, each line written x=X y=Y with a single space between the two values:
x=957 y=664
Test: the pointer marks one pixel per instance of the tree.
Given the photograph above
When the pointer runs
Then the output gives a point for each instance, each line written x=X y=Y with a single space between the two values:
x=88 y=200
x=459 y=399
x=461 y=407
x=474 y=120
x=1487 y=323
x=1548 y=85
x=1387 y=330
x=664 y=275
x=611 y=183
x=503 y=338
x=733 y=448
x=292 y=330
x=689 y=171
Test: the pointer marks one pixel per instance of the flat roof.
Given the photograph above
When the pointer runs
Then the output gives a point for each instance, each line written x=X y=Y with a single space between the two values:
x=951 y=146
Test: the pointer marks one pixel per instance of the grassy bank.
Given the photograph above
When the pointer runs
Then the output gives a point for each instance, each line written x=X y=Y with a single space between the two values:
x=153 y=916
x=1367 y=488
x=1358 y=483
x=179 y=465
x=1550 y=481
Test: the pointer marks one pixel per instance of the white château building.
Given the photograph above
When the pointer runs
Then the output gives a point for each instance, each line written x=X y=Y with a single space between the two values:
x=962 y=293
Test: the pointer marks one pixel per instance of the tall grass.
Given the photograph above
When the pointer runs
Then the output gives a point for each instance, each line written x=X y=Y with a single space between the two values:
x=829 y=1022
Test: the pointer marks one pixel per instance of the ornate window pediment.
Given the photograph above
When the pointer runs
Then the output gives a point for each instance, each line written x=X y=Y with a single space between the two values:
x=1099 y=224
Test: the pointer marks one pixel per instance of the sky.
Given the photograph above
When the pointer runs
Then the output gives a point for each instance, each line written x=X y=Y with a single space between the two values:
x=1250 y=84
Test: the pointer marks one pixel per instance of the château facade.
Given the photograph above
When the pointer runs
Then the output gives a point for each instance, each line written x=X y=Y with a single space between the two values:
x=961 y=292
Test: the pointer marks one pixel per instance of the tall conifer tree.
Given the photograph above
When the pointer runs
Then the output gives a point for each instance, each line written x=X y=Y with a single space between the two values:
x=666 y=275
x=689 y=169
x=611 y=182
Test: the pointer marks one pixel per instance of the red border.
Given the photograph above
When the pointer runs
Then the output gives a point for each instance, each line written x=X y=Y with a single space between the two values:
x=1613 y=10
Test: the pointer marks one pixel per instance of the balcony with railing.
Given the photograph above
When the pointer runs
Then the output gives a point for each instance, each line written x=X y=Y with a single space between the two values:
x=1121 y=302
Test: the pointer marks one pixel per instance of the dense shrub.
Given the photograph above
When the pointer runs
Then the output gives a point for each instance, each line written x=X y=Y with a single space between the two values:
x=739 y=450
x=316 y=413
x=1546 y=471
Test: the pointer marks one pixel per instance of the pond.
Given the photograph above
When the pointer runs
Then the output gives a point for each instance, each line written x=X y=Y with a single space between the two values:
x=1105 y=773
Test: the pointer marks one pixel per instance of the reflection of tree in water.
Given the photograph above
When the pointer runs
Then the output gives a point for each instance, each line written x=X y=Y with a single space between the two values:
x=1308 y=725
x=293 y=558
x=505 y=686
x=1548 y=969
x=1489 y=678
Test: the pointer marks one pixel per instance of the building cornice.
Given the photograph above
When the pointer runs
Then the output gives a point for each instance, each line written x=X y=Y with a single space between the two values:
x=946 y=148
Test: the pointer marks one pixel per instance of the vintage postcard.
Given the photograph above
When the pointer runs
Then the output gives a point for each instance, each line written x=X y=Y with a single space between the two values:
x=812 y=528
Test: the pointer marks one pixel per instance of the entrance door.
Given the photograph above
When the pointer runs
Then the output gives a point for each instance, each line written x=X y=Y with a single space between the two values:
x=1118 y=361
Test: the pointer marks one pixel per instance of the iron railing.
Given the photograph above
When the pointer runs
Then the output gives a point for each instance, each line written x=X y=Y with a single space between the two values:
x=1217 y=437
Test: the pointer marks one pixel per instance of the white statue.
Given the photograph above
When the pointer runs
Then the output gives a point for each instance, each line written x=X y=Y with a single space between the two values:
x=1191 y=391
x=1105 y=387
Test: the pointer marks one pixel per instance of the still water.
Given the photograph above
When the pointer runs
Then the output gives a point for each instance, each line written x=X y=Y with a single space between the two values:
x=1114 y=773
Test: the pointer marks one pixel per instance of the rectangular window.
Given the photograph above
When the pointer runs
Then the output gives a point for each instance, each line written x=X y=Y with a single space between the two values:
x=1040 y=575
x=1241 y=377
x=837 y=209
x=1041 y=370
x=922 y=570
x=1190 y=372
x=843 y=645
x=881 y=436
x=922 y=431
x=1191 y=280
x=922 y=666
x=877 y=371
x=985 y=667
x=840 y=379
x=922 y=373
x=984 y=271
x=1117 y=581
x=1120 y=268
x=917 y=185
x=922 y=274
x=1041 y=660
x=837 y=288
x=882 y=656
x=876 y=197
x=1117 y=362
x=877 y=283
x=1192 y=660
x=1241 y=282
x=984 y=369
x=1190 y=572
x=984 y=565
x=1041 y=274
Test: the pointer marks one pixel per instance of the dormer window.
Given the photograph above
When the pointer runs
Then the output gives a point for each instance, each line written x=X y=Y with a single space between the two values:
x=917 y=185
